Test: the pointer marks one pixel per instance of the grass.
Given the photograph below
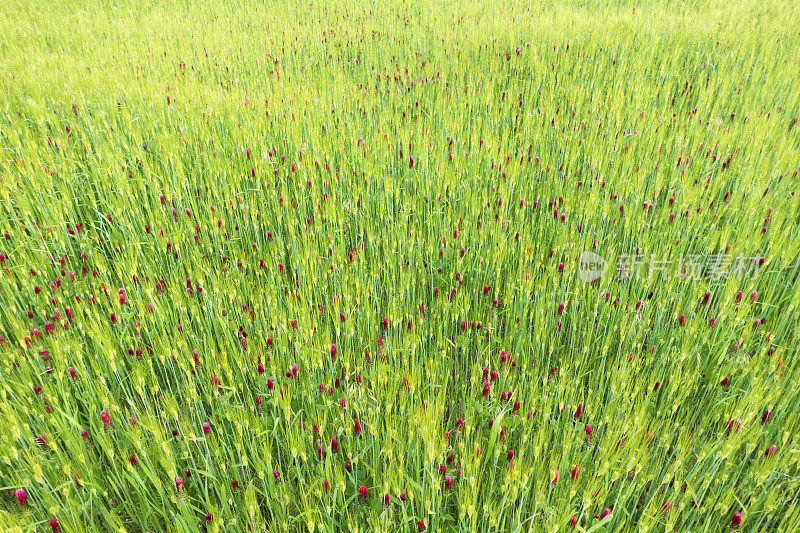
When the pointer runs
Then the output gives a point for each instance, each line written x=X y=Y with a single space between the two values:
x=394 y=199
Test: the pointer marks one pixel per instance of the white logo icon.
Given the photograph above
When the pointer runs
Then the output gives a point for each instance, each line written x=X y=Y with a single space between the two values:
x=590 y=266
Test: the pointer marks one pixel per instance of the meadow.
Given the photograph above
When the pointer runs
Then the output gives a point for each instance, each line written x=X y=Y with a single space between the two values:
x=355 y=266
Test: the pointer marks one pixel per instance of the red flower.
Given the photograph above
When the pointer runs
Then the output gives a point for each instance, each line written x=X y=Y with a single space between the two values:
x=22 y=498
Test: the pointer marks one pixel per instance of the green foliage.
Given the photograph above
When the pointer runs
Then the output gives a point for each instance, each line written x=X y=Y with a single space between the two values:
x=261 y=156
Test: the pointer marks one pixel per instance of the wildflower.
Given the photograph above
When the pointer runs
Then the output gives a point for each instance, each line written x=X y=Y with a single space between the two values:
x=736 y=520
x=771 y=451
x=22 y=498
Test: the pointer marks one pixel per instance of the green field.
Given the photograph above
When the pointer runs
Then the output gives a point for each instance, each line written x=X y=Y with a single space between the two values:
x=353 y=266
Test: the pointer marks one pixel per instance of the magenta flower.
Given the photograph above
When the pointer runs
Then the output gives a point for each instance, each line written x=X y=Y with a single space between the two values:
x=771 y=451
x=22 y=498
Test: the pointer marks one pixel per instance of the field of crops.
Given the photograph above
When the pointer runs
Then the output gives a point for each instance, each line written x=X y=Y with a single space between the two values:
x=450 y=266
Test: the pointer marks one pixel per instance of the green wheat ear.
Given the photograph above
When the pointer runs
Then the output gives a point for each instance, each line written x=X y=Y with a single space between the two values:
x=501 y=265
